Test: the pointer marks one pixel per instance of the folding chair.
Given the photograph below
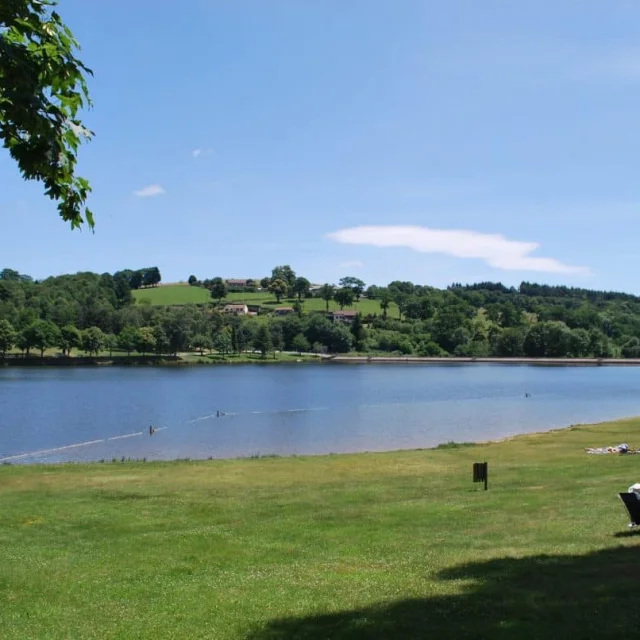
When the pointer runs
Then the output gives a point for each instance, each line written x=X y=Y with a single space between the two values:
x=632 y=502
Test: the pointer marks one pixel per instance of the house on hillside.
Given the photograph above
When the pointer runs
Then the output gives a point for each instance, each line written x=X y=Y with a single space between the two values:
x=283 y=311
x=344 y=316
x=236 y=309
x=240 y=284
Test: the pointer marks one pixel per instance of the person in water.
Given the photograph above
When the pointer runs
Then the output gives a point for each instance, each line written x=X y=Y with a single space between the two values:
x=151 y=430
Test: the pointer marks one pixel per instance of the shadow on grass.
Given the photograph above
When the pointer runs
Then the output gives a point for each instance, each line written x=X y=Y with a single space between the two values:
x=591 y=596
x=635 y=531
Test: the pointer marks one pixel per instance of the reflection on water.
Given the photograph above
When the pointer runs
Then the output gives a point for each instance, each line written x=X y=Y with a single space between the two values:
x=64 y=414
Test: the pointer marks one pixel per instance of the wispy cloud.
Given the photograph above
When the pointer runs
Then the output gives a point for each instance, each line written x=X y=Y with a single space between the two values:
x=150 y=191
x=496 y=250
x=352 y=264
x=196 y=153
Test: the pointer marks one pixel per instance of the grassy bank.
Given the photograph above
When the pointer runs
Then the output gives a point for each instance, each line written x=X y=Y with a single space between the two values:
x=51 y=360
x=394 y=545
x=247 y=358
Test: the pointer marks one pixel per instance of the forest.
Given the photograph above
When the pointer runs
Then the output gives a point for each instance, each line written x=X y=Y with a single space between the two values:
x=97 y=313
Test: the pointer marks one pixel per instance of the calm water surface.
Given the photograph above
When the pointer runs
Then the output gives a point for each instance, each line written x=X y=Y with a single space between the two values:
x=93 y=413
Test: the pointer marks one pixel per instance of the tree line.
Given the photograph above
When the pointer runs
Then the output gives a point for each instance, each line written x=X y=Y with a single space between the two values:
x=96 y=313
x=489 y=319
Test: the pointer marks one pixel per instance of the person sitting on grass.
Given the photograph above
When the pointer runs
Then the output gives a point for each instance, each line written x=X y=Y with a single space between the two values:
x=621 y=448
x=635 y=489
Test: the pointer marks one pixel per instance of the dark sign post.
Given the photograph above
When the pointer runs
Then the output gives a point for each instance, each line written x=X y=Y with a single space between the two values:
x=481 y=473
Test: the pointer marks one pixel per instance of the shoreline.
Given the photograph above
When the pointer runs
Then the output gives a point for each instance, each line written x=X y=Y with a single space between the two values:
x=447 y=445
x=579 y=362
x=362 y=531
x=180 y=360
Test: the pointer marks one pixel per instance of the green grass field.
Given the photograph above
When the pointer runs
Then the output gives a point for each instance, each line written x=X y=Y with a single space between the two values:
x=184 y=294
x=191 y=357
x=247 y=358
x=390 y=545
x=172 y=295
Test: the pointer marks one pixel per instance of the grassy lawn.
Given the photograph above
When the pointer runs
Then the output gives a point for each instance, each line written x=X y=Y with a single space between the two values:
x=78 y=353
x=184 y=294
x=244 y=358
x=191 y=356
x=392 y=545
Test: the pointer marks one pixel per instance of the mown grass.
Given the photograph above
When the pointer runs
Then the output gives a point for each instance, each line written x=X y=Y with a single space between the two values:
x=52 y=356
x=246 y=358
x=184 y=294
x=391 y=545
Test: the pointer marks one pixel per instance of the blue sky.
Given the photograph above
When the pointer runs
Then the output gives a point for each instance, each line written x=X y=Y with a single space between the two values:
x=427 y=141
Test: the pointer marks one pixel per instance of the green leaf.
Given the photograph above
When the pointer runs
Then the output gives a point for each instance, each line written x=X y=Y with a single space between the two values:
x=42 y=88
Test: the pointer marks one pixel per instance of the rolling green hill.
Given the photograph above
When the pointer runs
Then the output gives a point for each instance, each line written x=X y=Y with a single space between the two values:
x=180 y=294
x=172 y=295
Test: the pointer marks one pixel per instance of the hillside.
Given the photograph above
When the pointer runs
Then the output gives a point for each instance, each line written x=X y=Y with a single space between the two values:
x=104 y=312
x=180 y=294
x=174 y=294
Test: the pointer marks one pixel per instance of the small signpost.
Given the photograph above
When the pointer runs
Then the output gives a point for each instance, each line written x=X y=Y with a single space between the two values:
x=481 y=473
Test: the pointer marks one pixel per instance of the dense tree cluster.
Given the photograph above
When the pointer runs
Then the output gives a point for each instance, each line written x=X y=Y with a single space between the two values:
x=148 y=277
x=96 y=313
x=489 y=319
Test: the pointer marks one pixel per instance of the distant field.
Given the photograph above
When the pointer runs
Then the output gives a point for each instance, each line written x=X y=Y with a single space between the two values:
x=184 y=294
x=173 y=294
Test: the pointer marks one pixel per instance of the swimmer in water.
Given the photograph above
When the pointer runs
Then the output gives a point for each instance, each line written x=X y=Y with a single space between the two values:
x=151 y=430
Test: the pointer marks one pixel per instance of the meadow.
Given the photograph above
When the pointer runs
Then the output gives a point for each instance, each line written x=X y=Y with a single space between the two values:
x=247 y=358
x=177 y=294
x=387 y=545
x=184 y=294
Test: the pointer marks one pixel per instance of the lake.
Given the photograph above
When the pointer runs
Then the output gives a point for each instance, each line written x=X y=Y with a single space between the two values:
x=93 y=413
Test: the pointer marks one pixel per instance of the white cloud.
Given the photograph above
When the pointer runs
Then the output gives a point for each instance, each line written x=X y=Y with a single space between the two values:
x=352 y=264
x=150 y=191
x=496 y=250
x=196 y=153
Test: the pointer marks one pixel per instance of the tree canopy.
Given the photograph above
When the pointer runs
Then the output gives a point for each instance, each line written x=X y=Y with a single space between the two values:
x=42 y=91
x=484 y=319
